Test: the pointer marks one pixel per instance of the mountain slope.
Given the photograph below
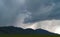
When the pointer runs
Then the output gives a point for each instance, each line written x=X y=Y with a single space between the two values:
x=16 y=30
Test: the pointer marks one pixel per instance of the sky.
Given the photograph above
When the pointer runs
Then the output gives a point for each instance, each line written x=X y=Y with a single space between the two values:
x=35 y=14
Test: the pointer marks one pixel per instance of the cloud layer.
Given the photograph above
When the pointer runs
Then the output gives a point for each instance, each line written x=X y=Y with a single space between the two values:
x=30 y=13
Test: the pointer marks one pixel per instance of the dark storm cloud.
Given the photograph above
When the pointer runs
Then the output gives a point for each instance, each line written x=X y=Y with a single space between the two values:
x=30 y=11
x=43 y=10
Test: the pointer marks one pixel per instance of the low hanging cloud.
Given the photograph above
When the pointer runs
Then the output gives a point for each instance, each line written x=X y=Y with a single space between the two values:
x=30 y=14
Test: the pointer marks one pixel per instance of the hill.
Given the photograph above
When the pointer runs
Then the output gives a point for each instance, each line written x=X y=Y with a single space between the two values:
x=16 y=30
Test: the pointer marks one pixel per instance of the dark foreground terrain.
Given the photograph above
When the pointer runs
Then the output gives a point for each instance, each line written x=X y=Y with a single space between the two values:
x=19 y=32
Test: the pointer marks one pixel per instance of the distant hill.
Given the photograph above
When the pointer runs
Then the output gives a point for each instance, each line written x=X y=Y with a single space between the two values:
x=16 y=30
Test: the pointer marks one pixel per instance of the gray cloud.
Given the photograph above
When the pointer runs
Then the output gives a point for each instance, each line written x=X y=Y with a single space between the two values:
x=43 y=10
x=30 y=13
x=9 y=10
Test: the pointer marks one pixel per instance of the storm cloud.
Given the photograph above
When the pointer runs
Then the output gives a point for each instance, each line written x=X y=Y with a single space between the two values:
x=43 y=10
x=30 y=13
x=9 y=10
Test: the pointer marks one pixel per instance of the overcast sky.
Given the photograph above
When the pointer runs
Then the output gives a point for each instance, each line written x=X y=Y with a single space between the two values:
x=30 y=13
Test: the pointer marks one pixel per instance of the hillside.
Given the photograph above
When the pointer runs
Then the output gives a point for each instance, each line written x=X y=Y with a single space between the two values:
x=16 y=30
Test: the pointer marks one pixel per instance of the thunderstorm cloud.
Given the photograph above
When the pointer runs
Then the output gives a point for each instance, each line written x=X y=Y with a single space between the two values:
x=33 y=14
